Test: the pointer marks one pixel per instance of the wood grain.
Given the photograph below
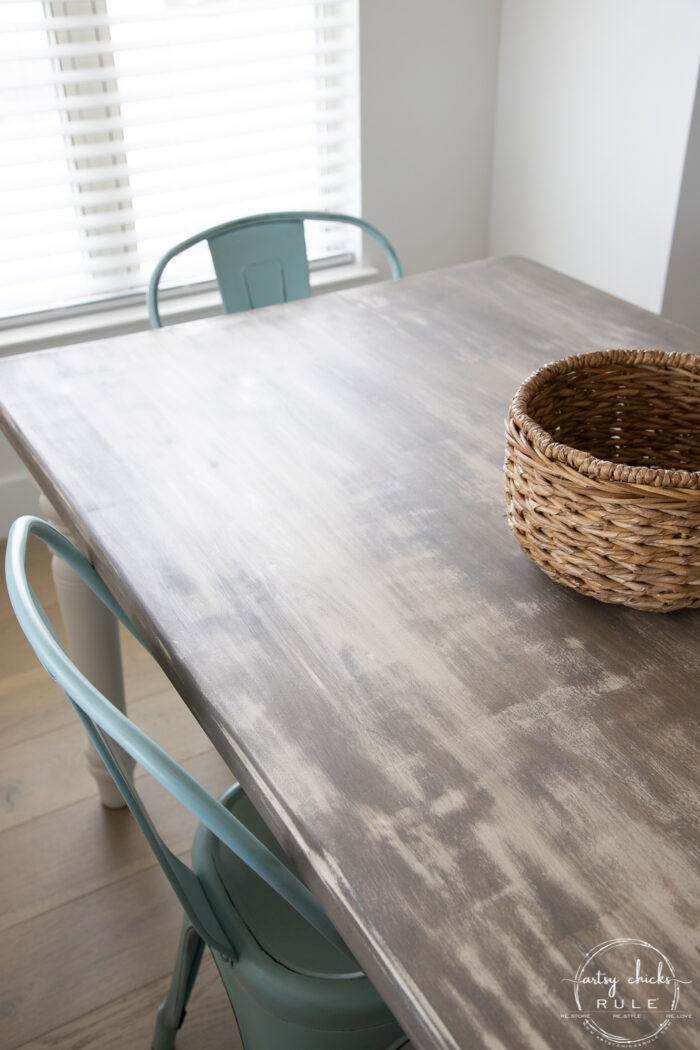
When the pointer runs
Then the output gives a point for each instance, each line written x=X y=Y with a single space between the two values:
x=127 y=1023
x=39 y=870
x=124 y=913
x=41 y=773
x=480 y=773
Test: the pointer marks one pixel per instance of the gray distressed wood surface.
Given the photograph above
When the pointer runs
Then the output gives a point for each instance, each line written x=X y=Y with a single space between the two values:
x=481 y=774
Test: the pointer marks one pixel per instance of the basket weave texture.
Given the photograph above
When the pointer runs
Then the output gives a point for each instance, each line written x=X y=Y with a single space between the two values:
x=602 y=475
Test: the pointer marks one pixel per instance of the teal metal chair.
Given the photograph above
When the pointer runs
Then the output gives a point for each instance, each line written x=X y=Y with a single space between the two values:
x=291 y=981
x=261 y=260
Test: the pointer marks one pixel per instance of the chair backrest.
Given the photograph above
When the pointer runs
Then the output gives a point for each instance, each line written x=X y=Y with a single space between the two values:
x=106 y=726
x=261 y=260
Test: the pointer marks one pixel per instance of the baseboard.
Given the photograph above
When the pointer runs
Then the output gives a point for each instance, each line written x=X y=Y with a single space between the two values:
x=18 y=495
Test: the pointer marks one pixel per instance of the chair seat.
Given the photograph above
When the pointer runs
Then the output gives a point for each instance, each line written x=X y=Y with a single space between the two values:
x=284 y=964
x=279 y=930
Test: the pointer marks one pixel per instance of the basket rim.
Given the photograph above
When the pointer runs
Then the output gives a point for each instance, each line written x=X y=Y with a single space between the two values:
x=583 y=462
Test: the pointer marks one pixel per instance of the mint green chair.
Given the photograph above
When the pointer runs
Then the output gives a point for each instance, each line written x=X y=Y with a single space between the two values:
x=291 y=981
x=261 y=260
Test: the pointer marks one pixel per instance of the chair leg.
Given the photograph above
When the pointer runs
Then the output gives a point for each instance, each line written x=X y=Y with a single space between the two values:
x=171 y=1012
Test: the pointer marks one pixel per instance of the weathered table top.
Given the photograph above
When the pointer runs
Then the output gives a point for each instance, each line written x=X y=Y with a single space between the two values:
x=482 y=774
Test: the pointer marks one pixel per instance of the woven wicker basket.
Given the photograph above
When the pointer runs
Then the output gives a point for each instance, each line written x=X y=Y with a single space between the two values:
x=603 y=475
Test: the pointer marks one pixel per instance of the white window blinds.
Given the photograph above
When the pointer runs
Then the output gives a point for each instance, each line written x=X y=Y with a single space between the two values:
x=127 y=125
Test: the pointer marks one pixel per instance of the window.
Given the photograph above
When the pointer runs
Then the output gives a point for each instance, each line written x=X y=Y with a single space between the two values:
x=128 y=125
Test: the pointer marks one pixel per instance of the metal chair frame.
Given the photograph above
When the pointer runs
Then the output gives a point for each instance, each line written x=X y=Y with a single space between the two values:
x=261 y=260
x=276 y=1007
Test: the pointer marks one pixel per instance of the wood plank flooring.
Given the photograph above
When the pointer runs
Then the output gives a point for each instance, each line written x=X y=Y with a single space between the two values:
x=88 y=924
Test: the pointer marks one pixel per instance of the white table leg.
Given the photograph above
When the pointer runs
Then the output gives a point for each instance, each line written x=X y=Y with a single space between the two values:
x=93 y=642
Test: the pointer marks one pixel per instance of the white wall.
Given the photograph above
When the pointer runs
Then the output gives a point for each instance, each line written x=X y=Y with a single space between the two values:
x=682 y=298
x=428 y=80
x=593 y=112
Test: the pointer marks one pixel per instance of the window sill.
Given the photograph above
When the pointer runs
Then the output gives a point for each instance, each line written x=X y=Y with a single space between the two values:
x=121 y=320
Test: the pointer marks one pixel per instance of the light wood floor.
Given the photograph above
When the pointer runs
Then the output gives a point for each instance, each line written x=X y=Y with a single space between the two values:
x=88 y=924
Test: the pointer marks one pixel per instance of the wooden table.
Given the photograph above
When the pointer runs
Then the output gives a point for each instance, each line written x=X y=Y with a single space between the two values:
x=480 y=773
